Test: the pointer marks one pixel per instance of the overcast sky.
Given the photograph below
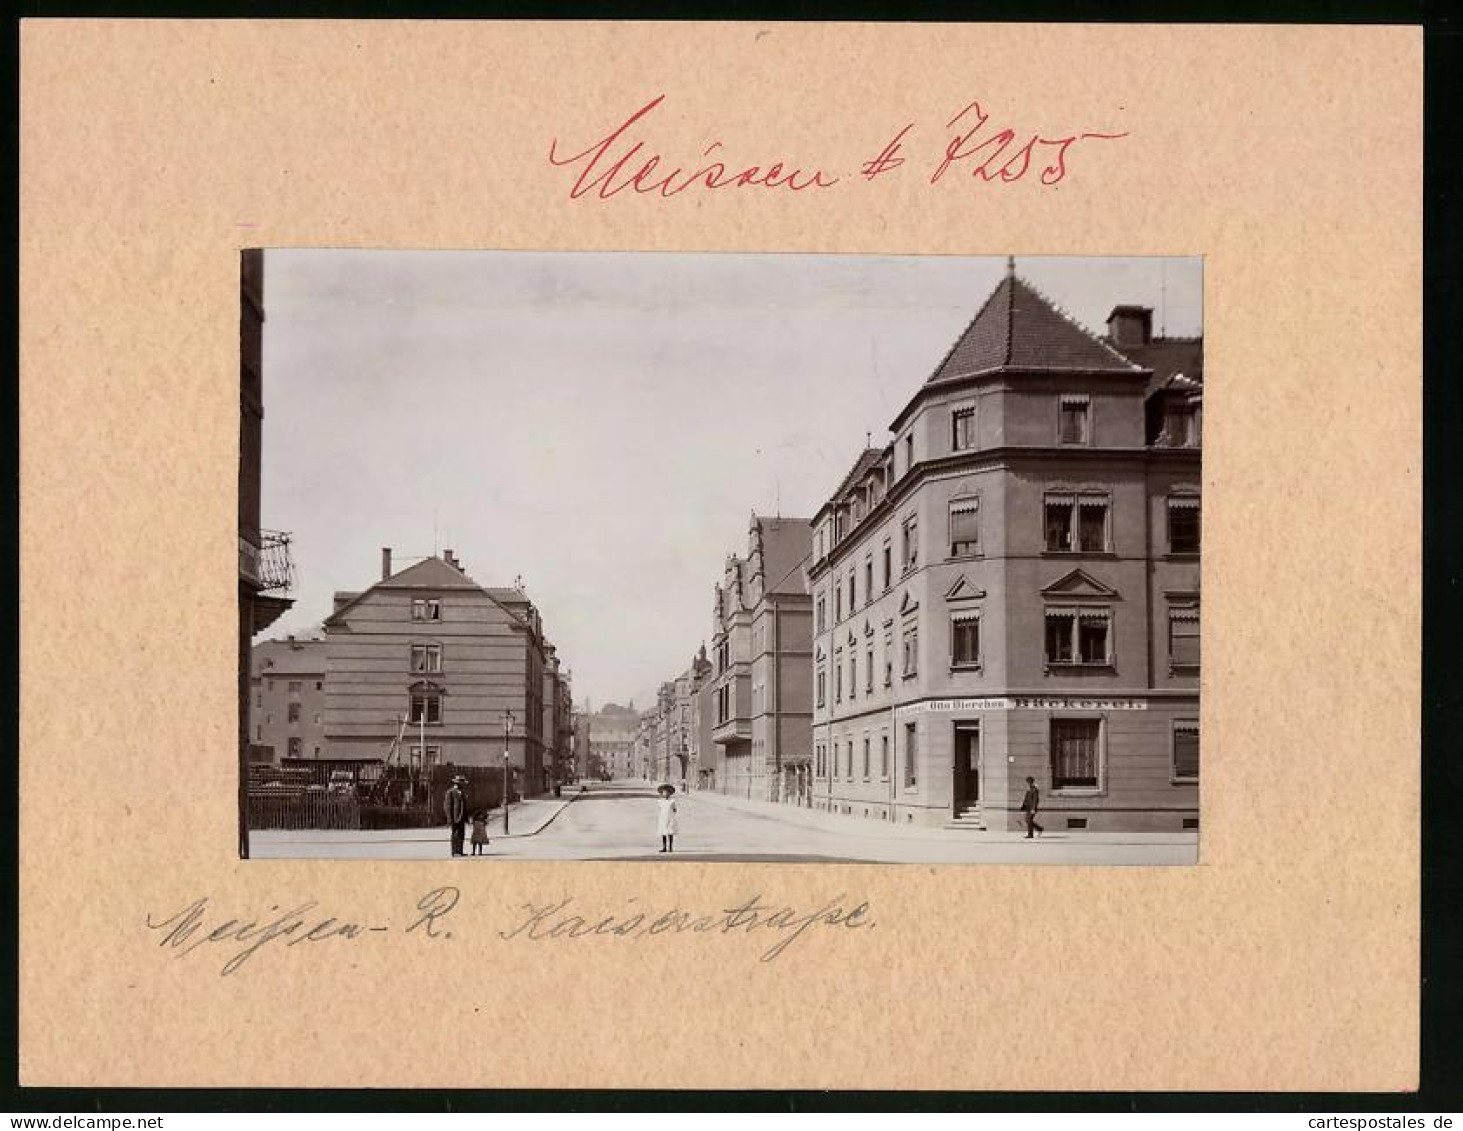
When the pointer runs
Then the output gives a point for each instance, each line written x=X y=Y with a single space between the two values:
x=604 y=424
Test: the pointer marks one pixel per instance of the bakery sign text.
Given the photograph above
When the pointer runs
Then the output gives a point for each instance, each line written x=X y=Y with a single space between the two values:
x=1026 y=703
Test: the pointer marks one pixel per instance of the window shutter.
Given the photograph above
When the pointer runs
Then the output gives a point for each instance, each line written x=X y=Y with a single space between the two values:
x=1186 y=752
x=964 y=524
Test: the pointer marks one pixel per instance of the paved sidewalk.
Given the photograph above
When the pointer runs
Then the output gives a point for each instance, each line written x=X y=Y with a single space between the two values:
x=621 y=824
x=525 y=819
x=873 y=827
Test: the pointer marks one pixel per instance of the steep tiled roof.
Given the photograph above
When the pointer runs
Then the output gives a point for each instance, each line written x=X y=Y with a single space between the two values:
x=867 y=458
x=786 y=544
x=429 y=573
x=1169 y=356
x=1020 y=328
x=432 y=574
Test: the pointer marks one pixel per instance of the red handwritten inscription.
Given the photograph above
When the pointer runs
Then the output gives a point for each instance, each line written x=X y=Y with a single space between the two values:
x=963 y=147
x=621 y=160
x=615 y=163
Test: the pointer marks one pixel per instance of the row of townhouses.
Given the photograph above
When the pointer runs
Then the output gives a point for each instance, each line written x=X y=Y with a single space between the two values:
x=605 y=741
x=425 y=663
x=1009 y=588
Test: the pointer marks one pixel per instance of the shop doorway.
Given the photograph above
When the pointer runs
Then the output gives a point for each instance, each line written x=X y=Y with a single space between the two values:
x=967 y=766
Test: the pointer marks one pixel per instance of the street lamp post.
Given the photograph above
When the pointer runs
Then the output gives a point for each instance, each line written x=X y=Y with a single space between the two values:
x=507 y=729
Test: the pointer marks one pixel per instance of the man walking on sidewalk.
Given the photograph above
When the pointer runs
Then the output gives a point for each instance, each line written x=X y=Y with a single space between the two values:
x=1029 y=805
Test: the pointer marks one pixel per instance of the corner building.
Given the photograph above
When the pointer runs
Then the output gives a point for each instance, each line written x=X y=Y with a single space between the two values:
x=1010 y=588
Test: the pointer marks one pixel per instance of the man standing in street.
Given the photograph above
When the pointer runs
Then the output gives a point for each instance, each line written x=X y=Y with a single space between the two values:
x=454 y=805
x=1029 y=805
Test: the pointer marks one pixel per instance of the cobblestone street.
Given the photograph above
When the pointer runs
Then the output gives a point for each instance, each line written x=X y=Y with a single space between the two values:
x=616 y=821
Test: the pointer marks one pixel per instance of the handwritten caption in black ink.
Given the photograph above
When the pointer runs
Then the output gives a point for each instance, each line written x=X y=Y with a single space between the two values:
x=239 y=939
x=555 y=921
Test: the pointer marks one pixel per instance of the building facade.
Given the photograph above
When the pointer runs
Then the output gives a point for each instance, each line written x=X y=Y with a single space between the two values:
x=429 y=662
x=678 y=742
x=761 y=653
x=610 y=740
x=287 y=699
x=265 y=569
x=1011 y=587
x=558 y=730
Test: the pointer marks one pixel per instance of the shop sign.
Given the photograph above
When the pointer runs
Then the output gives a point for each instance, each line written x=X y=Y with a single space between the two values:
x=1026 y=703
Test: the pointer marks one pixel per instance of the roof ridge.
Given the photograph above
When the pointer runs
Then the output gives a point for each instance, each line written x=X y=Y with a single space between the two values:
x=1070 y=321
x=960 y=337
x=1011 y=313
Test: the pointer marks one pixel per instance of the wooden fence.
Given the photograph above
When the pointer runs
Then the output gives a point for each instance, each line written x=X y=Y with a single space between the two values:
x=356 y=794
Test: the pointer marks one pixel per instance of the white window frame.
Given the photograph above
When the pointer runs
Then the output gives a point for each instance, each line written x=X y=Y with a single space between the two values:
x=426 y=609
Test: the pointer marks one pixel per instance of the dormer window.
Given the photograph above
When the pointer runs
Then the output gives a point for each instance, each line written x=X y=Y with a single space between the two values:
x=1073 y=420
x=1180 y=426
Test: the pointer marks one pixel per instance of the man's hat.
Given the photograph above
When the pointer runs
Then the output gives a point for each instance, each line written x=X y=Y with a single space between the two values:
x=459 y=780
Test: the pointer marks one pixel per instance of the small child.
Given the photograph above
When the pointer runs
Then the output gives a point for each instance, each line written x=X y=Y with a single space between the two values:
x=479 y=831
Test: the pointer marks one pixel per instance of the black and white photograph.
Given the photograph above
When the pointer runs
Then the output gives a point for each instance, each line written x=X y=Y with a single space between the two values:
x=720 y=557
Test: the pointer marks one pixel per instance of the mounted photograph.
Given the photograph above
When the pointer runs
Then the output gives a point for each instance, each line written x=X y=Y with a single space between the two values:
x=657 y=556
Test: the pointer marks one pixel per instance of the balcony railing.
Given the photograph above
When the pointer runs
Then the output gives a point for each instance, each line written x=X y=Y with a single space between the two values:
x=276 y=566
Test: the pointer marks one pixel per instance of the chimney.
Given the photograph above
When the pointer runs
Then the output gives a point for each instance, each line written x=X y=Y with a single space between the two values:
x=1130 y=326
x=449 y=557
x=385 y=562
